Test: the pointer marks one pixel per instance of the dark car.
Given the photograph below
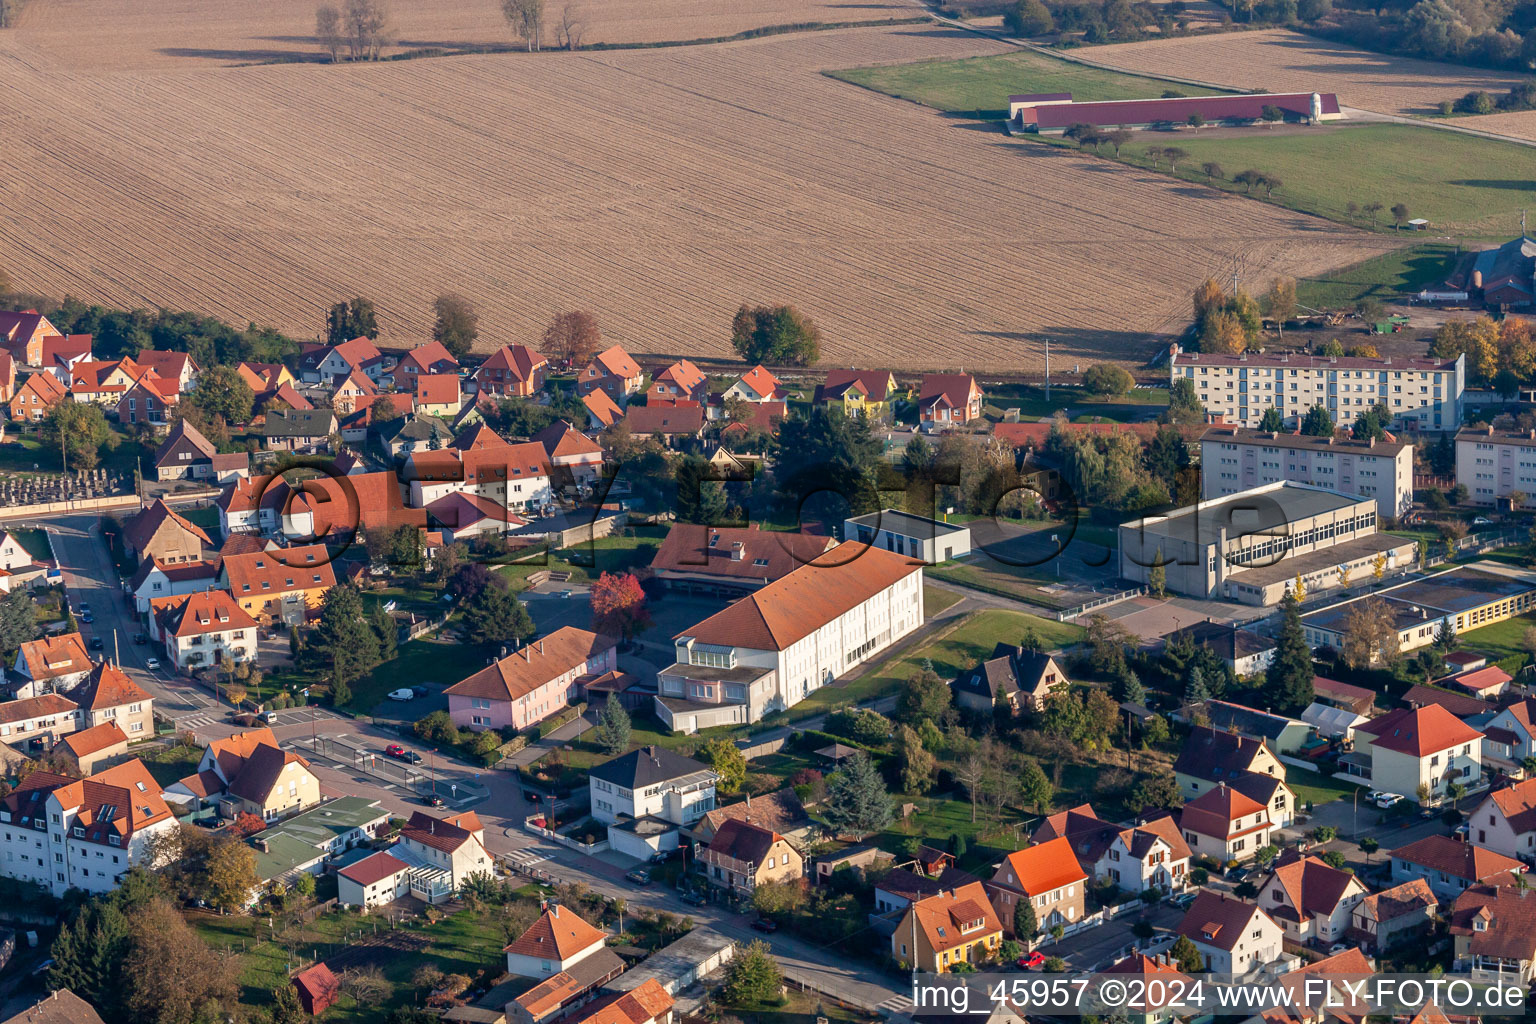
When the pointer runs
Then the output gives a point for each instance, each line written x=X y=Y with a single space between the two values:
x=639 y=876
x=86 y=617
x=140 y=638
x=766 y=925
x=420 y=690
x=1238 y=874
x=692 y=898
x=96 y=643
x=432 y=800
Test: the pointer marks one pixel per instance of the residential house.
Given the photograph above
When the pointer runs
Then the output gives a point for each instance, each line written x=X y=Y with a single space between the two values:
x=37 y=393
x=283 y=584
x=265 y=376
x=731 y=560
x=647 y=1003
x=512 y=370
x=1149 y=854
x=948 y=400
x=1426 y=746
x=771 y=648
x=50 y=664
x=446 y=851
x=253 y=774
x=741 y=855
x=84 y=834
x=559 y=940
x=176 y=366
x=1342 y=695
x=431 y=357
x=652 y=785
x=1451 y=866
x=1233 y=937
x=1505 y=822
x=1486 y=683
x=576 y=459
x=1156 y=977
x=1313 y=901
x=1024 y=678
x=1226 y=824
x=899 y=888
x=13 y=554
x=60 y=1006
x=317 y=988
x=681 y=380
x=203 y=630
x=530 y=684
x=1400 y=914
x=955 y=927
x=150 y=400
x=1279 y=732
x=39 y=722
x=350 y=390
x=1211 y=757
x=674 y=422
x=857 y=392
x=467 y=516
x=103 y=381
x=1493 y=933
x=283 y=398
x=1245 y=652
x=378 y=879
x=108 y=695
x=567 y=989
x=157 y=579
x=185 y=454
x=516 y=475
x=159 y=533
x=318 y=363
x=22 y=335
x=88 y=748
x=611 y=371
x=438 y=394
x=297 y=430
x=1509 y=735
x=332 y=508
x=63 y=353
x=756 y=385
x=7 y=377
x=309 y=842
x=1048 y=877
x=602 y=411
x=780 y=811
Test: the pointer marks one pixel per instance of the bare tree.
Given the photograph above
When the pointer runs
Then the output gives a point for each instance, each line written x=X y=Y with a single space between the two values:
x=367 y=28
x=10 y=10
x=327 y=30
x=526 y=18
x=572 y=337
x=569 y=31
x=366 y=985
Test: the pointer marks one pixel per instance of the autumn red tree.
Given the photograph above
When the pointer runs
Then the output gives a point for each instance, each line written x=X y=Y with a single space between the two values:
x=618 y=605
x=246 y=824
x=573 y=338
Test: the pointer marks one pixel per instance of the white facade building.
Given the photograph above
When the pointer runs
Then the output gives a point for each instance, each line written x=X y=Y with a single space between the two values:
x=1236 y=459
x=1491 y=464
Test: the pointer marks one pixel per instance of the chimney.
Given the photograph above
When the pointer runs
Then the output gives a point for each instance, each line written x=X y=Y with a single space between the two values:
x=528 y=654
x=541 y=645
x=1372 y=443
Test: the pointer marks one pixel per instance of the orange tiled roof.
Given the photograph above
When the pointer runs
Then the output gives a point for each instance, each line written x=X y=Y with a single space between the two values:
x=558 y=934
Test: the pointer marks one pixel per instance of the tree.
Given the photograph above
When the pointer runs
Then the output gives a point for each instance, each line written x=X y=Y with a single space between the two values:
x=572 y=338
x=917 y=764
x=1271 y=114
x=1369 y=846
x=1352 y=210
x=1028 y=18
x=618 y=605
x=1374 y=209
x=1212 y=170
x=1184 y=406
x=1035 y=789
x=344 y=642
x=1446 y=639
x=1207 y=299
x=18 y=621
x=88 y=955
x=1282 y=300
x=221 y=393
x=753 y=975
x=328 y=30
x=778 y=335
x=1223 y=333
x=1107 y=379
x=857 y=803
x=457 y=325
x=1117 y=138
x=1288 y=680
x=613 y=727
x=1271 y=420
x=358 y=318
x=728 y=762
x=496 y=616
x=1318 y=422
x=526 y=18
x=172 y=976
x=1026 y=925
x=1157 y=578
x=1368 y=635
x=1399 y=215
x=924 y=697
x=771 y=899
x=1196 y=121
x=1186 y=955
x=568 y=32
x=77 y=431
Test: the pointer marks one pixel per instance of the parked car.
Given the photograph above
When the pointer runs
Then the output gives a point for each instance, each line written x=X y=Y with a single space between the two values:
x=1030 y=961
x=432 y=800
x=1386 y=800
x=399 y=753
x=141 y=638
x=692 y=898
x=86 y=617
x=420 y=690
x=404 y=693
x=1238 y=874
x=85 y=606
x=153 y=664
x=1183 y=899
x=1482 y=521
x=270 y=717
x=766 y=925
x=96 y=643
x=639 y=876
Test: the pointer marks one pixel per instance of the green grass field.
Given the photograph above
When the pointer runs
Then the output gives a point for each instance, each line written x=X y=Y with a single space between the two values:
x=1460 y=183
x=35 y=541
x=1313 y=788
x=980 y=86
x=1503 y=642
x=1384 y=278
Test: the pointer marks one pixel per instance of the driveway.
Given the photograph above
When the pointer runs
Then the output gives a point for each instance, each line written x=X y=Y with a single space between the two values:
x=1099 y=947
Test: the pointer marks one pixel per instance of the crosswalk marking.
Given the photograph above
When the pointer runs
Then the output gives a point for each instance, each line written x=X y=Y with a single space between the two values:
x=897 y=1004
x=527 y=857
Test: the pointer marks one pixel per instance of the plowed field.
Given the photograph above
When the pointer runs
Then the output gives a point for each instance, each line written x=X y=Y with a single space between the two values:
x=658 y=188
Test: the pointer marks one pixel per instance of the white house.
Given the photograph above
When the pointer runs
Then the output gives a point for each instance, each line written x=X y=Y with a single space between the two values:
x=1233 y=937
x=203 y=630
x=515 y=475
x=374 y=881
x=558 y=940
x=1505 y=822
x=443 y=852
x=1450 y=866
x=771 y=648
x=160 y=579
x=1150 y=854
x=1225 y=824
x=12 y=554
x=646 y=796
x=756 y=385
x=1311 y=900
x=50 y=664
x=1425 y=746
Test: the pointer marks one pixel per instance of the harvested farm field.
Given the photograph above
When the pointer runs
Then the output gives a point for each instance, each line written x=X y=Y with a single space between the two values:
x=97 y=35
x=659 y=189
x=1278 y=60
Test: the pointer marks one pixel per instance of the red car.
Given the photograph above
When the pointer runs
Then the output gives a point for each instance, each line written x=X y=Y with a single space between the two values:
x=1031 y=961
x=398 y=752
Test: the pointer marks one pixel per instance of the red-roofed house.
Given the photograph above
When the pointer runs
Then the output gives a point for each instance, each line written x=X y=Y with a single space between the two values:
x=279 y=585
x=319 y=363
x=150 y=399
x=377 y=879
x=255 y=775
x=432 y=357
x=947 y=400
x=756 y=385
x=1484 y=683
x=1505 y=822
x=532 y=683
x=770 y=649
x=22 y=335
x=1048 y=876
x=38 y=393
x=446 y=851
x=1225 y=824
x=681 y=380
x=177 y=366
x=1150 y=854
x=1426 y=746
x=559 y=939
x=350 y=390
x=203 y=629
x=159 y=532
x=517 y=475
x=50 y=664
x=512 y=370
x=89 y=747
x=1493 y=930
x=957 y=926
x=1450 y=866
x=7 y=377
x=612 y=371
x=108 y=695
x=437 y=394
x=732 y=560
x=1311 y=900
x=1233 y=937
x=1387 y=918
x=602 y=411
x=741 y=856
x=672 y=421
x=576 y=458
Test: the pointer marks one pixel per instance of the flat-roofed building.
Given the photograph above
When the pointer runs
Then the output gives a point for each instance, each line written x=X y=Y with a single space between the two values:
x=907 y=534
x=1252 y=546
x=1234 y=459
x=1421 y=394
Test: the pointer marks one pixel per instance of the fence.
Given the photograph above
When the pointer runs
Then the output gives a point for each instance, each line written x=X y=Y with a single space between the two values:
x=77 y=505
x=600 y=846
x=1067 y=615
x=415 y=628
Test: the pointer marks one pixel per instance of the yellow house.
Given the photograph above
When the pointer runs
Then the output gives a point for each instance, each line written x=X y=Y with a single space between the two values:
x=955 y=926
x=283 y=583
x=249 y=773
x=858 y=392
x=741 y=856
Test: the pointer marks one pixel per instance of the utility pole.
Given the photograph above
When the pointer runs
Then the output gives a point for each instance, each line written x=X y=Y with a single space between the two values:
x=1047 y=369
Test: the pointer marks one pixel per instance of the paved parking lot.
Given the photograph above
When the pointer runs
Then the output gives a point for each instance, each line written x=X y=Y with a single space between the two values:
x=1111 y=941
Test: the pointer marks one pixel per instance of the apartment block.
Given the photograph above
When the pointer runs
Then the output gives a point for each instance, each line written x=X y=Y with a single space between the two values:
x=1234 y=459
x=1493 y=464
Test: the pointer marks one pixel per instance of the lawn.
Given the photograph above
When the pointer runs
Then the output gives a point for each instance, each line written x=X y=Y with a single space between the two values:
x=1383 y=278
x=168 y=764
x=207 y=518
x=1325 y=168
x=936 y=601
x=585 y=562
x=1503 y=642
x=980 y=86
x=35 y=541
x=24 y=453
x=1313 y=788
x=418 y=661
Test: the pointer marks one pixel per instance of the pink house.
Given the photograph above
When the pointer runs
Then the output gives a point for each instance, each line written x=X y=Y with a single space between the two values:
x=529 y=685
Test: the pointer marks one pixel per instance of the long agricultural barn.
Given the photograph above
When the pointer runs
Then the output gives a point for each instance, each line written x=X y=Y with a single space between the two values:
x=1054 y=113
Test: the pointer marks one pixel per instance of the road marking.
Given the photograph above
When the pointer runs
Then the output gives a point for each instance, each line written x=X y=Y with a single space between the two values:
x=896 y=1004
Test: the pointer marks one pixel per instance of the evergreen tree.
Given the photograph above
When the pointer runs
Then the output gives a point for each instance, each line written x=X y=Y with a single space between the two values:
x=1035 y=789
x=344 y=642
x=1317 y=423
x=1289 y=679
x=1271 y=420
x=613 y=727
x=1157 y=577
x=857 y=802
x=753 y=975
x=496 y=616
x=1187 y=956
x=18 y=621
x=1446 y=639
x=1132 y=690
x=1184 y=406
x=1025 y=923
x=88 y=955
x=388 y=634
x=1196 y=692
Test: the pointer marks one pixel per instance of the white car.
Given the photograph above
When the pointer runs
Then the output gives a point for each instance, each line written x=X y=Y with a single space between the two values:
x=405 y=693
x=153 y=664
x=1385 y=800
